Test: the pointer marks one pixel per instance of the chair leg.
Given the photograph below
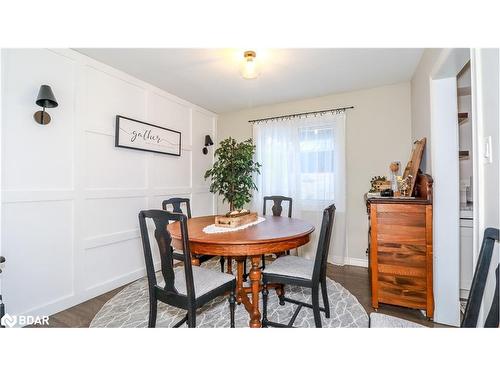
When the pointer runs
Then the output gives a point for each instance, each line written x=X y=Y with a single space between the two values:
x=191 y=322
x=324 y=292
x=153 y=308
x=222 y=264
x=232 y=301
x=265 y=294
x=245 y=274
x=281 y=294
x=263 y=261
x=316 y=310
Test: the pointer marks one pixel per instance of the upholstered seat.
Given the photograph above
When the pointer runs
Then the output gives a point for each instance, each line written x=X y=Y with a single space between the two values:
x=291 y=265
x=205 y=280
x=386 y=321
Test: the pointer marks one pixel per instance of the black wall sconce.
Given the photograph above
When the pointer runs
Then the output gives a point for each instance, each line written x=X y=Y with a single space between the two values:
x=45 y=99
x=208 y=142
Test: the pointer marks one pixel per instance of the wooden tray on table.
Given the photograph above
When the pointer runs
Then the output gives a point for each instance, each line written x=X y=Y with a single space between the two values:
x=235 y=221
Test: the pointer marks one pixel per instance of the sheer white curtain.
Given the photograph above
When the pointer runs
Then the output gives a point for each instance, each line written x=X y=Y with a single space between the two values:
x=304 y=158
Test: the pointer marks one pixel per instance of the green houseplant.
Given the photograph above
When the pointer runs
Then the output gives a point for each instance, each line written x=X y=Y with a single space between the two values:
x=232 y=172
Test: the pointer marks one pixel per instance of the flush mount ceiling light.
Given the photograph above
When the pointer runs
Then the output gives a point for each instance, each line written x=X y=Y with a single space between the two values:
x=249 y=70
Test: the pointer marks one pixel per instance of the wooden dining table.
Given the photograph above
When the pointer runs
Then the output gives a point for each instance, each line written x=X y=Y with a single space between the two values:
x=275 y=235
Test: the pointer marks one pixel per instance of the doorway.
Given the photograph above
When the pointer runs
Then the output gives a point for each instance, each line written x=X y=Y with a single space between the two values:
x=446 y=174
x=466 y=184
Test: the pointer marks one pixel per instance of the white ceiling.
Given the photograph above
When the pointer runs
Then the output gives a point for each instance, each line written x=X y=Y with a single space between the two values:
x=211 y=78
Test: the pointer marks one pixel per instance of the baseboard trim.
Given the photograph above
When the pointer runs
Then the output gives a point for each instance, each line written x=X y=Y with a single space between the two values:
x=358 y=262
x=347 y=261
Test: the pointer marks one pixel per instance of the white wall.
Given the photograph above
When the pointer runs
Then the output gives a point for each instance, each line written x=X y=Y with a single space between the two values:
x=70 y=198
x=378 y=131
x=421 y=102
x=1 y=158
x=485 y=77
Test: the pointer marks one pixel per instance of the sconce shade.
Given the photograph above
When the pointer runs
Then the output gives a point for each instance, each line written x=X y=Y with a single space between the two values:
x=46 y=98
x=208 y=141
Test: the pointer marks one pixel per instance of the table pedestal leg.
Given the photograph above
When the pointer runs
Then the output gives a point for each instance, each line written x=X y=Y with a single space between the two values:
x=255 y=274
x=239 y=280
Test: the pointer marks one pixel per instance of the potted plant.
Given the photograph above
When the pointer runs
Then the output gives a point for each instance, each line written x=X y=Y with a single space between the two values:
x=232 y=172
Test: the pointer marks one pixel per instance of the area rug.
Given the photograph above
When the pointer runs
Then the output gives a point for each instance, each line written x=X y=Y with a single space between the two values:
x=130 y=307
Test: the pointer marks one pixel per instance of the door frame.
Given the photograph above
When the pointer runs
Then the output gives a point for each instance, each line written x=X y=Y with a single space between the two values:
x=445 y=168
x=1 y=162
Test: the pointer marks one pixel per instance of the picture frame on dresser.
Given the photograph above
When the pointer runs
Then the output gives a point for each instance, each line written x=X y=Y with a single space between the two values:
x=143 y=136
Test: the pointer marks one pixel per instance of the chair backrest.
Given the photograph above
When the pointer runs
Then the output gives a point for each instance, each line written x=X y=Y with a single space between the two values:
x=323 y=243
x=176 y=205
x=164 y=240
x=277 y=207
x=471 y=315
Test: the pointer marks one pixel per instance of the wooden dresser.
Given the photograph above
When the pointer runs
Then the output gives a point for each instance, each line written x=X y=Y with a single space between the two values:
x=400 y=249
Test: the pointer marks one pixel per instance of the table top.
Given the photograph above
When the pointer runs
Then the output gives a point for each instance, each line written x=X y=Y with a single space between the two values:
x=275 y=234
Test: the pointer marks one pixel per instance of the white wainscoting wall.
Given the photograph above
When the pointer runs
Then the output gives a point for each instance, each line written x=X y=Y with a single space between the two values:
x=70 y=198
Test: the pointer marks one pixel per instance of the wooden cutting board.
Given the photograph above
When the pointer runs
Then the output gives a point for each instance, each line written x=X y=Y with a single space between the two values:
x=235 y=222
x=414 y=162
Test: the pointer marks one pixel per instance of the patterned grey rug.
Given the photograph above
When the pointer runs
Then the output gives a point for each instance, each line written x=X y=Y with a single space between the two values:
x=130 y=307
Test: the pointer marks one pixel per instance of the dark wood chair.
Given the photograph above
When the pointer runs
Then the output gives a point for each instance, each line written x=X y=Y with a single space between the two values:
x=188 y=287
x=277 y=210
x=471 y=315
x=176 y=204
x=294 y=270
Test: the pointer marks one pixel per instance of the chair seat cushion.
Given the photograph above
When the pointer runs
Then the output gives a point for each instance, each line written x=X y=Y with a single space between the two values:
x=292 y=266
x=205 y=280
x=386 y=321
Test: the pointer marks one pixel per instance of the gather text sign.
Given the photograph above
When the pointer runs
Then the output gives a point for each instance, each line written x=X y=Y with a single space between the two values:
x=140 y=135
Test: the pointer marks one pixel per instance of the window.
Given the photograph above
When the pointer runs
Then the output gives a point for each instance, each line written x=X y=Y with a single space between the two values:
x=304 y=158
x=316 y=153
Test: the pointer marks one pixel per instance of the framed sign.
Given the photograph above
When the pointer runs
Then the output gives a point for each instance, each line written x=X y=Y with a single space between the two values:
x=140 y=135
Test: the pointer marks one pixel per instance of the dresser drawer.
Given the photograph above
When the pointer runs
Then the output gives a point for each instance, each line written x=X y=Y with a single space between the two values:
x=400 y=224
x=409 y=291
x=402 y=255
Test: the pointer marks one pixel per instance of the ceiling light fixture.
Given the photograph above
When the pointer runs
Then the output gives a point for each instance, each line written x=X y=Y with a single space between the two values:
x=249 y=66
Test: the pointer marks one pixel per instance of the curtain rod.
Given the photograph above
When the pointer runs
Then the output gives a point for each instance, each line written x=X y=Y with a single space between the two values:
x=300 y=114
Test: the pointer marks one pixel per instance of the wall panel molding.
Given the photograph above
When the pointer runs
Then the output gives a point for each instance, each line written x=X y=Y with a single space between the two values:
x=18 y=196
x=97 y=261
x=108 y=239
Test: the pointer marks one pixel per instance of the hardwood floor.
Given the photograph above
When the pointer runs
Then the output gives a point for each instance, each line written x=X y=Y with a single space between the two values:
x=354 y=279
x=81 y=315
